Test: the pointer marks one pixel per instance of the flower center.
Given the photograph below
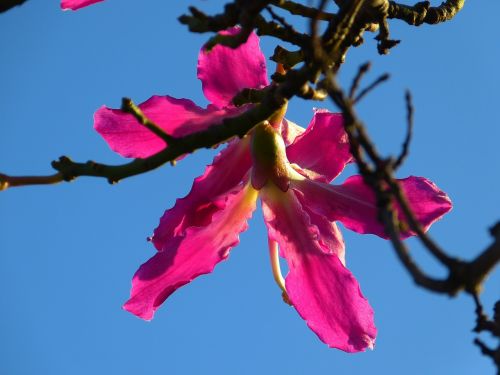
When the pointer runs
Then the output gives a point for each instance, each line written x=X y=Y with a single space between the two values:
x=269 y=158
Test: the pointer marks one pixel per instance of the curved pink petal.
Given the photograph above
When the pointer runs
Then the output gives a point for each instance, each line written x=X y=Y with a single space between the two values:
x=330 y=237
x=77 y=4
x=353 y=203
x=178 y=117
x=194 y=253
x=228 y=169
x=322 y=290
x=290 y=131
x=224 y=71
x=324 y=147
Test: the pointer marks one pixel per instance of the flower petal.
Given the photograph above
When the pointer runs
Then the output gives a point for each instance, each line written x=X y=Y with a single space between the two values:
x=330 y=237
x=192 y=254
x=226 y=172
x=353 y=203
x=224 y=71
x=322 y=290
x=290 y=131
x=178 y=117
x=323 y=147
x=77 y=4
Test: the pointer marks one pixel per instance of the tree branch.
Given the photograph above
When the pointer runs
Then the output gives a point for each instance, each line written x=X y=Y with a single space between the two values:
x=422 y=12
x=405 y=150
x=462 y=275
x=302 y=10
x=5 y=5
x=214 y=135
x=128 y=106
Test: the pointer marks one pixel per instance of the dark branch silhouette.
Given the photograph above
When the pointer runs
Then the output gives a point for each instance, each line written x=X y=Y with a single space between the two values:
x=5 y=5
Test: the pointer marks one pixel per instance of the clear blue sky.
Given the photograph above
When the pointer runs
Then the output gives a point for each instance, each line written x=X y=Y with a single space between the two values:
x=68 y=252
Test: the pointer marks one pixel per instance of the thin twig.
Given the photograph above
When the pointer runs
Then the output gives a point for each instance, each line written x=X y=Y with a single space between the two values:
x=14 y=181
x=363 y=69
x=409 y=132
x=415 y=225
x=128 y=106
x=302 y=10
x=384 y=77
x=278 y=18
x=390 y=221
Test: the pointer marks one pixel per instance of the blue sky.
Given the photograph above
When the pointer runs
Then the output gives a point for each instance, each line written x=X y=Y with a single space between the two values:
x=68 y=252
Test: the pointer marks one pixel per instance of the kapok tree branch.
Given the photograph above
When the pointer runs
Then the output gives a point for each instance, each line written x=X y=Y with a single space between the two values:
x=390 y=221
x=200 y=22
x=484 y=323
x=14 y=181
x=212 y=136
x=377 y=174
x=128 y=106
x=293 y=83
x=241 y=12
x=5 y=5
x=289 y=35
x=422 y=12
x=275 y=97
x=405 y=150
x=302 y=10
x=381 y=79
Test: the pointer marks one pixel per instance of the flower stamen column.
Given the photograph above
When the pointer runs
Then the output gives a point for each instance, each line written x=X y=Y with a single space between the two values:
x=275 y=265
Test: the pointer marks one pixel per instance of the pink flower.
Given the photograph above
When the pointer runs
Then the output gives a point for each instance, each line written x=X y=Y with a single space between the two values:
x=290 y=169
x=77 y=4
